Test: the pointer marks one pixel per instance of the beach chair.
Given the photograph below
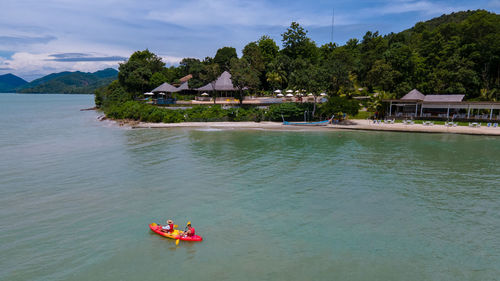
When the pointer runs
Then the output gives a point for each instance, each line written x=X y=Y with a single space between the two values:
x=488 y=125
x=495 y=125
x=478 y=125
x=455 y=124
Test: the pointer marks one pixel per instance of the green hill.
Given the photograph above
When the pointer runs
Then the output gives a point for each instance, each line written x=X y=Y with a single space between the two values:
x=9 y=82
x=70 y=82
x=458 y=53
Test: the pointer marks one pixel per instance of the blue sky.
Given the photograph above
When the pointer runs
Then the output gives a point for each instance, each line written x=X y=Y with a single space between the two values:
x=38 y=37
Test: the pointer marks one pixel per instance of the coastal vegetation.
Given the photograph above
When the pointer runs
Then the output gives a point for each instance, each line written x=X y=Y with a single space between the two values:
x=457 y=53
x=148 y=113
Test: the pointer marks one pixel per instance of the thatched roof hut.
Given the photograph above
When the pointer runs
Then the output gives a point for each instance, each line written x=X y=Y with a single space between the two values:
x=166 y=88
x=223 y=83
x=414 y=95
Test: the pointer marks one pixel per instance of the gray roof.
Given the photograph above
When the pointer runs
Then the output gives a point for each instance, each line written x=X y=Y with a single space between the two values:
x=165 y=87
x=414 y=95
x=444 y=98
x=223 y=83
x=183 y=86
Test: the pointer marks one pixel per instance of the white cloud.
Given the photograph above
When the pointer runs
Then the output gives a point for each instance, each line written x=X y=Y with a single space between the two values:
x=170 y=60
x=406 y=6
x=243 y=12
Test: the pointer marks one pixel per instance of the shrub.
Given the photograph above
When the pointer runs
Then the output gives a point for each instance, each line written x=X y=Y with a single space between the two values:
x=288 y=111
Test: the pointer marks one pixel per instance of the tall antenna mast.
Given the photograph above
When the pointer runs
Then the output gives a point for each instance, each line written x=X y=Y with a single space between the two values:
x=333 y=21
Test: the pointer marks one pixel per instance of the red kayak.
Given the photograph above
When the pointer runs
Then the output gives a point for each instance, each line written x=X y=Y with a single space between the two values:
x=176 y=234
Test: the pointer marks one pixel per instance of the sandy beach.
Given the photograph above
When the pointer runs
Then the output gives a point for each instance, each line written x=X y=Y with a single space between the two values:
x=365 y=125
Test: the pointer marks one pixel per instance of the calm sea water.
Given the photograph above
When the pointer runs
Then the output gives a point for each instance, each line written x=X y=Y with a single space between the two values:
x=77 y=195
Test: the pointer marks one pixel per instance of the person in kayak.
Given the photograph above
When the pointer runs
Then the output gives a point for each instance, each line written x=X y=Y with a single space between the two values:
x=169 y=228
x=190 y=230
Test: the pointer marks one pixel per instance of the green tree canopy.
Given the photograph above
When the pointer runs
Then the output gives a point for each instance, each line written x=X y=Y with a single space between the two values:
x=243 y=75
x=135 y=74
x=223 y=57
x=296 y=44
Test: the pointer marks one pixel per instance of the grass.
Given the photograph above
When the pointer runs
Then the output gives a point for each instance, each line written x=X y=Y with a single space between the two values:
x=362 y=115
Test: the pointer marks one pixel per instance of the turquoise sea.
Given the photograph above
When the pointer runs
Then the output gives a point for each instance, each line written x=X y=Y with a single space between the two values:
x=77 y=195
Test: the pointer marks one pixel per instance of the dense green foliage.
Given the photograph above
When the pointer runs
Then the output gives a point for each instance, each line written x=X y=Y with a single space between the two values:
x=70 y=82
x=140 y=73
x=457 y=53
x=148 y=113
x=9 y=82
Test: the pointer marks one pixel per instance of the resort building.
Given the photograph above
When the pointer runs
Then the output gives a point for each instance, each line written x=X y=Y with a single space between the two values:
x=224 y=92
x=163 y=94
x=415 y=104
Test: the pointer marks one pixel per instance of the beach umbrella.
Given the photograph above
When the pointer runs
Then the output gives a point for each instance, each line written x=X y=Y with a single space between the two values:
x=297 y=91
x=322 y=94
x=149 y=94
x=278 y=91
x=279 y=95
x=310 y=94
x=162 y=94
x=289 y=91
x=289 y=95
x=204 y=94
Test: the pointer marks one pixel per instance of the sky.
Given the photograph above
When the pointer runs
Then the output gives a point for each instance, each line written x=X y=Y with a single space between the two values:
x=39 y=37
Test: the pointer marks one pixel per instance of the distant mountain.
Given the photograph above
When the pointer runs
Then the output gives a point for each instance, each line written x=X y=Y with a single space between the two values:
x=70 y=82
x=9 y=82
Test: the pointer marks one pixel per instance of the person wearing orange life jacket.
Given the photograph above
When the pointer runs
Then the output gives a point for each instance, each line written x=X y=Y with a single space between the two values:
x=190 y=230
x=169 y=228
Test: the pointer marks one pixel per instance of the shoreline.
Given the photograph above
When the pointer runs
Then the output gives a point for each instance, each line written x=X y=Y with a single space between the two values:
x=355 y=125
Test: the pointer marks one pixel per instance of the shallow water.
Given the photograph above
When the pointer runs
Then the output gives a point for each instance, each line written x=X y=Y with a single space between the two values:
x=77 y=195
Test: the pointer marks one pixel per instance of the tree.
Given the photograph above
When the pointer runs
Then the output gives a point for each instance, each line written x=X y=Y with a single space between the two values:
x=309 y=77
x=223 y=57
x=135 y=74
x=338 y=105
x=372 y=49
x=194 y=67
x=268 y=49
x=253 y=55
x=157 y=79
x=243 y=75
x=382 y=76
x=274 y=79
x=296 y=44
x=209 y=74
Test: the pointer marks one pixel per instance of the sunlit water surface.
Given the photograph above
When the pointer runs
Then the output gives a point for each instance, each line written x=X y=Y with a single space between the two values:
x=77 y=195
